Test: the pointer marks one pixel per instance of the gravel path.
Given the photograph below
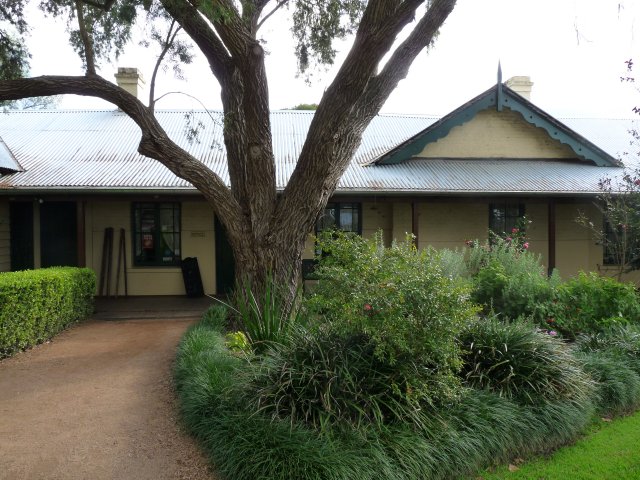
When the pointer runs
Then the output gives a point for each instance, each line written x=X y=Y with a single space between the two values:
x=97 y=403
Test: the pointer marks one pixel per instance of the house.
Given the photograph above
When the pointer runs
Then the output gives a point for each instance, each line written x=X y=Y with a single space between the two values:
x=69 y=175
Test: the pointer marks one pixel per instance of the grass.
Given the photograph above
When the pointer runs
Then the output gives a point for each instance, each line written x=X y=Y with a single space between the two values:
x=610 y=450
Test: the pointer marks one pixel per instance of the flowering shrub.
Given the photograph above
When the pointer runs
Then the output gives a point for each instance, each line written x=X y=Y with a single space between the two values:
x=400 y=301
x=509 y=280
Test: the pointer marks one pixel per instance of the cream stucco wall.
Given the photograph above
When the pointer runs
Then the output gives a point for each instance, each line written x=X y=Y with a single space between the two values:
x=492 y=134
x=5 y=244
x=449 y=225
x=197 y=241
x=576 y=250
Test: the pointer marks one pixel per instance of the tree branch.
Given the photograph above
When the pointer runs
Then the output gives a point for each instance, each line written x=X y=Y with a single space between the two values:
x=87 y=43
x=344 y=112
x=230 y=27
x=171 y=36
x=336 y=129
x=106 y=6
x=203 y=35
x=154 y=143
x=280 y=4
x=397 y=67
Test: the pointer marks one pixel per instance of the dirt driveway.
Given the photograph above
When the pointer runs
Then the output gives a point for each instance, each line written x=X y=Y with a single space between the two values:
x=96 y=403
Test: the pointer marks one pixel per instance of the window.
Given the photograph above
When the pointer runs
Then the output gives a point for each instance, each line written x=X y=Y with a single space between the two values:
x=503 y=217
x=341 y=216
x=156 y=234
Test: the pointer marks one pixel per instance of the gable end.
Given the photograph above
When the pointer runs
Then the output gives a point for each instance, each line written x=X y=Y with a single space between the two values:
x=499 y=97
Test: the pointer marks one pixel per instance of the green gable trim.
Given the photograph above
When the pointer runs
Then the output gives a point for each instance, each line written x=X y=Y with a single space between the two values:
x=498 y=97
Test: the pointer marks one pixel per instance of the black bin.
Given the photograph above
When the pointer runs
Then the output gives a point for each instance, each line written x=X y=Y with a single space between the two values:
x=192 y=278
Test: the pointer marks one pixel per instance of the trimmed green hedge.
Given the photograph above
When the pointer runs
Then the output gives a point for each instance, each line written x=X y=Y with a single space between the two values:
x=37 y=304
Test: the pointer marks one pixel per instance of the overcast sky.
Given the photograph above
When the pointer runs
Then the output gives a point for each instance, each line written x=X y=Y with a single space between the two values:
x=573 y=50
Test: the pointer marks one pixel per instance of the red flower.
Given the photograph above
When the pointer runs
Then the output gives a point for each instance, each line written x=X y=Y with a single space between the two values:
x=367 y=307
x=514 y=230
x=525 y=245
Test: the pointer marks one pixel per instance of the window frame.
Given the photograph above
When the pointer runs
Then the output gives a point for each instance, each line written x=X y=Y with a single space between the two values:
x=505 y=205
x=138 y=232
x=338 y=206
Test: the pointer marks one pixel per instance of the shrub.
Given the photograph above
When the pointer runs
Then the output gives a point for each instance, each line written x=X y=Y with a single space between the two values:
x=510 y=281
x=590 y=303
x=37 y=304
x=518 y=362
x=399 y=300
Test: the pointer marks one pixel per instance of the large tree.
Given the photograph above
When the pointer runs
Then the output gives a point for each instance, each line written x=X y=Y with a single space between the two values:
x=266 y=229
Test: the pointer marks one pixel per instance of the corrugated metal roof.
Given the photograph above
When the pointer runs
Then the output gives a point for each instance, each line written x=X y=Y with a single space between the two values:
x=98 y=150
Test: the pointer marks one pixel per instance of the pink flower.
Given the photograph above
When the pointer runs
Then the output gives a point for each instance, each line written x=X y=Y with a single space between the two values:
x=525 y=245
x=469 y=243
x=367 y=307
x=636 y=181
x=508 y=239
x=514 y=230
x=553 y=333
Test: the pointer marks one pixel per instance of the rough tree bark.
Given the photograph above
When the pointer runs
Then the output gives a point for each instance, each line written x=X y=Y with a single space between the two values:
x=266 y=230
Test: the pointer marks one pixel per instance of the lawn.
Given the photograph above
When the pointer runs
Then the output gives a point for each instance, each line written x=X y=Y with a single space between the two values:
x=609 y=451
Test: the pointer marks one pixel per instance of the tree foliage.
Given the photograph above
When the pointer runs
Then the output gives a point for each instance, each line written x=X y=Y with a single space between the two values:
x=14 y=58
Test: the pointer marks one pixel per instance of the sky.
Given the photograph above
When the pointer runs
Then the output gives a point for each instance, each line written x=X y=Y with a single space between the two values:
x=573 y=50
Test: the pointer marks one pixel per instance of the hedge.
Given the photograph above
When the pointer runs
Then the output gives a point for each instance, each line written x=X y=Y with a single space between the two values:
x=35 y=305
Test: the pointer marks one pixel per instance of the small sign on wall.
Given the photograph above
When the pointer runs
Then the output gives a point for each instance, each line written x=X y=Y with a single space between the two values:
x=198 y=234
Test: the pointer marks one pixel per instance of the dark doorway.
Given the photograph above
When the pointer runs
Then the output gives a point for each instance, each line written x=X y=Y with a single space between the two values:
x=58 y=234
x=21 y=235
x=225 y=264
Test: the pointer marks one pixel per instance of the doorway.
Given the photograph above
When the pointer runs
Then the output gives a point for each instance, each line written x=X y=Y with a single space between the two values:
x=21 y=235
x=225 y=263
x=58 y=234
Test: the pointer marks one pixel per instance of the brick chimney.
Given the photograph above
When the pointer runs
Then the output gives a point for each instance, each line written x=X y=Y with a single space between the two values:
x=520 y=85
x=131 y=80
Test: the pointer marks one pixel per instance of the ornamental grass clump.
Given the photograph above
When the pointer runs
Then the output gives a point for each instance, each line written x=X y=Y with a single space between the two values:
x=322 y=380
x=622 y=341
x=264 y=318
x=518 y=362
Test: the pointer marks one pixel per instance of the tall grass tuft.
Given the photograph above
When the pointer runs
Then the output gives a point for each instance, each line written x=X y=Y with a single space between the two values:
x=618 y=385
x=265 y=319
x=621 y=341
x=322 y=380
x=516 y=361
